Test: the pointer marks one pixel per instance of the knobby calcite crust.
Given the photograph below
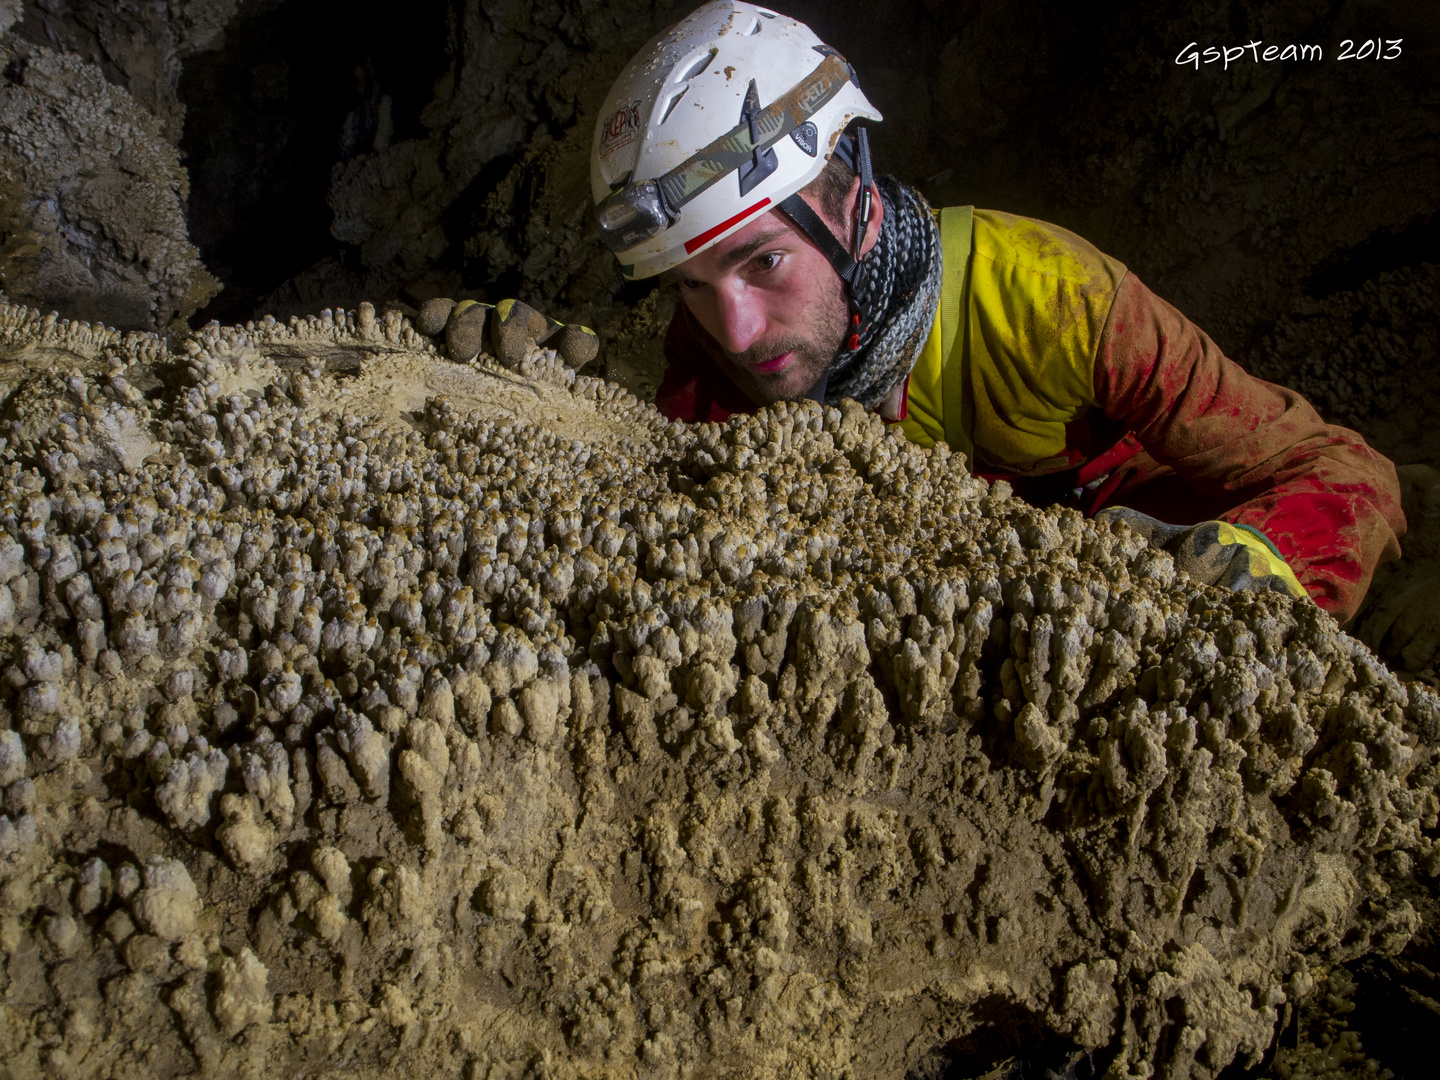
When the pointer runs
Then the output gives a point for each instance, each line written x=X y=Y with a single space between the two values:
x=365 y=711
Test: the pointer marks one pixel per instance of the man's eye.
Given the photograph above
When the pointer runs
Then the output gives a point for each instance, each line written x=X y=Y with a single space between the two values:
x=689 y=284
x=768 y=261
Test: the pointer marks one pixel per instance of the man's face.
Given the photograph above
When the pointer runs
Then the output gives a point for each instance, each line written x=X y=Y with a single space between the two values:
x=773 y=303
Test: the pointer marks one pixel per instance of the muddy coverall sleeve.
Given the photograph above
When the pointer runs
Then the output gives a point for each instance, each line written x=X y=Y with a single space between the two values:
x=1324 y=498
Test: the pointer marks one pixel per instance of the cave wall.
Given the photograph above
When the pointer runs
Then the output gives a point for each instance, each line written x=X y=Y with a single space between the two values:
x=140 y=47
x=1227 y=191
x=92 y=190
x=1236 y=194
x=331 y=153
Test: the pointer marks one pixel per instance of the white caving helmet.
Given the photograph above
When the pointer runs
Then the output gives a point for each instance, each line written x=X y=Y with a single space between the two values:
x=727 y=114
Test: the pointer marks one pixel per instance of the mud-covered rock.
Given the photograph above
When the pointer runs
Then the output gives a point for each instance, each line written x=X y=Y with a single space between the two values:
x=167 y=905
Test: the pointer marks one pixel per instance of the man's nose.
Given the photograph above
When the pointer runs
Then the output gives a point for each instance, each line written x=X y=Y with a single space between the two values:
x=742 y=317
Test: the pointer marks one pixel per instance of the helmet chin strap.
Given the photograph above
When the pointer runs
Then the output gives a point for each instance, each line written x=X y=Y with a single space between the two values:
x=846 y=263
x=817 y=392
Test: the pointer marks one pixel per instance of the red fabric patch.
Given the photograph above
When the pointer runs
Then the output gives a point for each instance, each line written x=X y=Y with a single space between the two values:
x=1221 y=443
x=904 y=406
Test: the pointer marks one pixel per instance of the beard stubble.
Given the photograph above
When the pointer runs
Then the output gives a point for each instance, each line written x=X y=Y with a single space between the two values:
x=814 y=349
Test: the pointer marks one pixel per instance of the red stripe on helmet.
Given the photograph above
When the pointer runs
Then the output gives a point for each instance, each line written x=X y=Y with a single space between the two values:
x=710 y=234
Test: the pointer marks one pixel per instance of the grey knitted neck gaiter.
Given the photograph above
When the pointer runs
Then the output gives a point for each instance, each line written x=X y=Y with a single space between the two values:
x=898 y=285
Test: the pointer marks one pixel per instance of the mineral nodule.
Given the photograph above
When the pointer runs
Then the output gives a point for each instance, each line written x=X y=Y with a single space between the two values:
x=367 y=710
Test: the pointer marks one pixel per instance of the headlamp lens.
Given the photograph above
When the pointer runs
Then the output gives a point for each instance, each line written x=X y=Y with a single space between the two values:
x=632 y=215
x=613 y=217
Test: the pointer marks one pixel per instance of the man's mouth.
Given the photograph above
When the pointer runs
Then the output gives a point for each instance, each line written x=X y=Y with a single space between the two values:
x=778 y=363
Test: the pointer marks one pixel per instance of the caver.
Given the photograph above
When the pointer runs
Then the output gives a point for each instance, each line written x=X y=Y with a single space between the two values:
x=731 y=157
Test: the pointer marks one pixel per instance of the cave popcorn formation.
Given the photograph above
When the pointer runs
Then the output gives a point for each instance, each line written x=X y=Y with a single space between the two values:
x=367 y=710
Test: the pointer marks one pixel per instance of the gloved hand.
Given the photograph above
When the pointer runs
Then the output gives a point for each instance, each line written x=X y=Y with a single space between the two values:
x=513 y=327
x=1215 y=552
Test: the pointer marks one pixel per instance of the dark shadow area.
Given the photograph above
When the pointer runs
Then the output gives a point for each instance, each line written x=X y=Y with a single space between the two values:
x=1382 y=252
x=1010 y=1043
x=299 y=86
x=1397 y=998
x=1397 y=1012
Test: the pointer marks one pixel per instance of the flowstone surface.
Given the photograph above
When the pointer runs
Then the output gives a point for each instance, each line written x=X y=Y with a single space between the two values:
x=365 y=711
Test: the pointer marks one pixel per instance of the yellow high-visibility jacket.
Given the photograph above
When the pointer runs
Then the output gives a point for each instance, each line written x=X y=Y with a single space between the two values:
x=1026 y=303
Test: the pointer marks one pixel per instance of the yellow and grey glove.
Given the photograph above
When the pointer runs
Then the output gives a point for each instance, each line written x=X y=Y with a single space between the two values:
x=1215 y=552
x=512 y=328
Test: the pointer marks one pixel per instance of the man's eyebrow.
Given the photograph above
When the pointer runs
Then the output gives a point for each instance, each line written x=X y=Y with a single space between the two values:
x=732 y=258
x=742 y=254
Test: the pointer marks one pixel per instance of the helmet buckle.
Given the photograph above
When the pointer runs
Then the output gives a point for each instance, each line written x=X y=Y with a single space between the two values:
x=762 y=162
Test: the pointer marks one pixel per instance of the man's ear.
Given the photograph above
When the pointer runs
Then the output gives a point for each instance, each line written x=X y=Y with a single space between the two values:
x=877 y=216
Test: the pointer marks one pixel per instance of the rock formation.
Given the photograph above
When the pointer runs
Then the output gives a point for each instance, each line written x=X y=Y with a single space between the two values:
x=92 y=192
x=365 y=710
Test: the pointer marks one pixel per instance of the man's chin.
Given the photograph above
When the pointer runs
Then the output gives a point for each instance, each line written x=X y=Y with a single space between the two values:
x=791 y=383
x=768 y=391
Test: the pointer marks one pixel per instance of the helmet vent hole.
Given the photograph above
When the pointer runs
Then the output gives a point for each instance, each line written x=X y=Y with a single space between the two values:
x=754 y=29
x=670 y=107
x=699 y=64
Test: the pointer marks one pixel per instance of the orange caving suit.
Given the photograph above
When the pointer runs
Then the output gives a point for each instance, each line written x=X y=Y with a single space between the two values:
x=1054 y=368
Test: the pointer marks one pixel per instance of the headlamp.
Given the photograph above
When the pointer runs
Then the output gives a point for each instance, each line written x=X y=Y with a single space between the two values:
x=632 y=215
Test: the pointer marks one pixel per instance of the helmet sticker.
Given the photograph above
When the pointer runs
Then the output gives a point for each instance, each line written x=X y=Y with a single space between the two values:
x=806 y=138
x=621 y=129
